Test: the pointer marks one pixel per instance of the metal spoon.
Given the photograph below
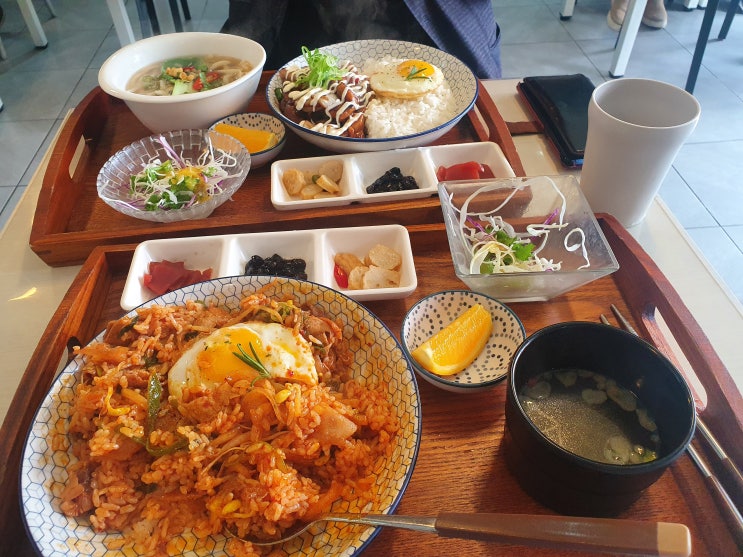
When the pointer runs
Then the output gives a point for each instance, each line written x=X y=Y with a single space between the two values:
x=603 y=535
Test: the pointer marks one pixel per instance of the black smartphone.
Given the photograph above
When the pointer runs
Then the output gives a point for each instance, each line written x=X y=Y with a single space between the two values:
x=560 y=103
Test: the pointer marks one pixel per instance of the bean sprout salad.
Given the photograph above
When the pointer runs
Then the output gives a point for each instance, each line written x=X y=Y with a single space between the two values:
x=179 y=183
x=496 y=247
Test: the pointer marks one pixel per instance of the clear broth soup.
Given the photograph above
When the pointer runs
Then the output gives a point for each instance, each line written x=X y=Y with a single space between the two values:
x=591 y=416
x=188 y=74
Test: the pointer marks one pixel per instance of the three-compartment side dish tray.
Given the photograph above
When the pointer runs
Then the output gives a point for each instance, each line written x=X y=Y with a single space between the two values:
x=460 y=459
x=70 y=220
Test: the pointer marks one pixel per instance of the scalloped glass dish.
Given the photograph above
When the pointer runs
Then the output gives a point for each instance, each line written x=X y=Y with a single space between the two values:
x=44 y=468
x=113 y=182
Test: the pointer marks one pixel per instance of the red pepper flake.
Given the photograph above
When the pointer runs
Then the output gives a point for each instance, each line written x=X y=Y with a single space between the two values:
x=340 y=276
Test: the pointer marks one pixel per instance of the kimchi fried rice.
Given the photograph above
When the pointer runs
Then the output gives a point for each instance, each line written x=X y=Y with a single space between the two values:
x=249 y=455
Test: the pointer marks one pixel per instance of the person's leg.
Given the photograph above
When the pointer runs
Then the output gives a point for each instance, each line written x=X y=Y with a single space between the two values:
x=654 y=16
x=617 y=12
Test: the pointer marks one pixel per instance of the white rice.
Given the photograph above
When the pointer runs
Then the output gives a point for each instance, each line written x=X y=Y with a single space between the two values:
x=387 y=117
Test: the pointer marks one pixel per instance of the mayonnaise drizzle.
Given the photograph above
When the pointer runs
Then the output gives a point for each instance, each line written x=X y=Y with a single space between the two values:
x=316 y=98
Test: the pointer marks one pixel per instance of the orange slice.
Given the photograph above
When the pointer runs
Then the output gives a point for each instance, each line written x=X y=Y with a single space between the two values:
x=457 y=345
x=254 y=140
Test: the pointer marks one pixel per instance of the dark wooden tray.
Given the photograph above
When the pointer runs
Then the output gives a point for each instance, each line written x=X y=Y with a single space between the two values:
x=460 y=467
x=70 y=220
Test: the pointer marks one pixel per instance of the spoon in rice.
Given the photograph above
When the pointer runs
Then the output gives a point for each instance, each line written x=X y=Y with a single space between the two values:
x=603 y=535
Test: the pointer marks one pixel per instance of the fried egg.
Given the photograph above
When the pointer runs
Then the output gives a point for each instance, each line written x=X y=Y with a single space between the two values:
x=210 y=361
x=406 y=79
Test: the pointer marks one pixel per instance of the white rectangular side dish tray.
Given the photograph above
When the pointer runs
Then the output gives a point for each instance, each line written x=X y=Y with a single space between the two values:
x=360 y=170
x=227 y=255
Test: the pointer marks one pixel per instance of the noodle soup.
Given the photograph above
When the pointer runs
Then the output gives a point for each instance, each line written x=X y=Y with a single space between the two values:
x=189 y=74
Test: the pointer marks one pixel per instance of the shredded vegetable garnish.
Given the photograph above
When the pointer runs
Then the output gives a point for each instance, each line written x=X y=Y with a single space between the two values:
x=496 y=247
x=178 y=183
x=323 y=68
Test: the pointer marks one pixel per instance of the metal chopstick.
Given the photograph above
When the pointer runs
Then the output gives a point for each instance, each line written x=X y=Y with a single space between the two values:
x=729 y=466
x=731 y=469
x=719 y=491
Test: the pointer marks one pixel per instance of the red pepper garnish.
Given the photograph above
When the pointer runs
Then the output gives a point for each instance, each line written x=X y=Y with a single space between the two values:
x=212 y=76
x=340 y=276
x=197 y=85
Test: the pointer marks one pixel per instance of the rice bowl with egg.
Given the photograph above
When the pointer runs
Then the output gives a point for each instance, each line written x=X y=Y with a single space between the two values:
x=175 y=487
x=395 y=122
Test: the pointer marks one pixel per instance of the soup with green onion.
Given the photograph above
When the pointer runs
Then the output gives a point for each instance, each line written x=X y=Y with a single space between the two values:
x=189 y=74
x=591 y=416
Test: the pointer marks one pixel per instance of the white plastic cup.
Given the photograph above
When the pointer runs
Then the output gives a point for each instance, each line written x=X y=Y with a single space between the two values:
x=635 y=130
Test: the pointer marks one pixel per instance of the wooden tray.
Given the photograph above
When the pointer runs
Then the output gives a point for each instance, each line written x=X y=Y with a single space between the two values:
x=70 y=220
x=459 y=466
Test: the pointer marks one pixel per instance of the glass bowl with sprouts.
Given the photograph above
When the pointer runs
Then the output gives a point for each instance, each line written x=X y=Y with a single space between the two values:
x=174 y=176
x=523 y=239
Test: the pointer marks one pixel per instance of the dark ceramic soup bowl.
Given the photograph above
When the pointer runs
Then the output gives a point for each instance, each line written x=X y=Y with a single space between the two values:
x=563 y=480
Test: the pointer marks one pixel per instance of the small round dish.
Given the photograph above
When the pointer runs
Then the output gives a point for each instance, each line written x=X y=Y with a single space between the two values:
x=192 y=148
x=433 y=313
x=258 y=121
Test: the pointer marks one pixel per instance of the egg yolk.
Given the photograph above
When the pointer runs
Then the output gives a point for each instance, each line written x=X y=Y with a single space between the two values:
x=415 y=69
x=218 y=362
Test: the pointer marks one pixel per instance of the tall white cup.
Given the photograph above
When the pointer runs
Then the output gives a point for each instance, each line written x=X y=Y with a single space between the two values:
x=635 y=130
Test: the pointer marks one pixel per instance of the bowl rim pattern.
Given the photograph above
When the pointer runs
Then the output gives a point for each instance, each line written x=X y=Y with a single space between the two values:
x=273 y=104
x=443 y=381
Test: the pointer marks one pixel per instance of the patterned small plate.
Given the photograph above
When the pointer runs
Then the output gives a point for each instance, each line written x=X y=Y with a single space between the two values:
x=259 y=121
x=377 y=359
x=433 y=313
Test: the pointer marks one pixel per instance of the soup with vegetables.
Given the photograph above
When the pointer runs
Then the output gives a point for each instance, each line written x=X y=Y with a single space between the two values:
x=190 y=74
x=591 y=416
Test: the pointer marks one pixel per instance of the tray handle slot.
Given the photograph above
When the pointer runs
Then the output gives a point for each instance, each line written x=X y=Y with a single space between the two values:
x=645 y=300
x=489 y=125
x=69 y=154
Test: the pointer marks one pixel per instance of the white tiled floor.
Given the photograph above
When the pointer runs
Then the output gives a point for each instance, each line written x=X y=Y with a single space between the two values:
x=704 y=189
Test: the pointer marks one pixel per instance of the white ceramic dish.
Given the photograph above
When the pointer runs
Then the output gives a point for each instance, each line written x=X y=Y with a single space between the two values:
x=259 y=121
x=227 y=255
x=360 y=170
x=44 y=464
x=195 y=110
x=460 y=78
x=433 y=313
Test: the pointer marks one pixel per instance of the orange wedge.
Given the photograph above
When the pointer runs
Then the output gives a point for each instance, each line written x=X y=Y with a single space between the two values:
x=254 y=140
x=457 y=345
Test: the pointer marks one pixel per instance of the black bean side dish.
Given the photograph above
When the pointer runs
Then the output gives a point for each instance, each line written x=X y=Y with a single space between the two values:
x=392 y=180
x=276 y=266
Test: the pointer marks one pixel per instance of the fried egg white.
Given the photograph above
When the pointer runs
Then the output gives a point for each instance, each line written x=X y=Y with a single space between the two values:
x=210 y=361
x=407 y=79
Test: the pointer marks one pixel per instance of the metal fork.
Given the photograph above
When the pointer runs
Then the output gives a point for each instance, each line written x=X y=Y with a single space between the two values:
x=729 y=465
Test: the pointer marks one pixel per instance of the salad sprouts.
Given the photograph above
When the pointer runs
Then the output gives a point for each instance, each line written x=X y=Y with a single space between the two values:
x=179 y=183
x=496 y=247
